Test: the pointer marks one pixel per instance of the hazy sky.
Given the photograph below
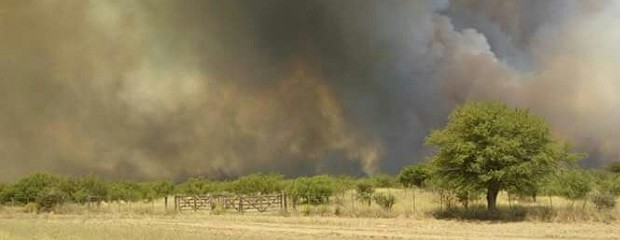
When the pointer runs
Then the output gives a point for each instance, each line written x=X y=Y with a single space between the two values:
x=167 y=89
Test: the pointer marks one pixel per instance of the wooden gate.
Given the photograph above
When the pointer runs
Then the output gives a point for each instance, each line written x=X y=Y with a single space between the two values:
x=240 y=203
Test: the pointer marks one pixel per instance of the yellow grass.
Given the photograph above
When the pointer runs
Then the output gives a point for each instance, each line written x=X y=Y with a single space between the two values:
x=235 y=226
x=344 y=218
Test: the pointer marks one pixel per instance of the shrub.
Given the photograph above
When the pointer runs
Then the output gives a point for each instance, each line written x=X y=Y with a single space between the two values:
x=576 y=184
x=258 y=184
x=313 y=190
x=386 y=201
x=306 y=210
x=125 y=191
x=364 y=192
x=604 y=200
x=383 y=181
x=466 y=196
x=5 y=193
x=30 y=188
x=49 y=200
x=85 y=187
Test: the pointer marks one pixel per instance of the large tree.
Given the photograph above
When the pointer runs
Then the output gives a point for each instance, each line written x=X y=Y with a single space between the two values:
x=490 y=146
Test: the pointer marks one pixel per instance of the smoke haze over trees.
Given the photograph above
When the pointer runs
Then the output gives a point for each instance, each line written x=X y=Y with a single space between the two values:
x=168 y=89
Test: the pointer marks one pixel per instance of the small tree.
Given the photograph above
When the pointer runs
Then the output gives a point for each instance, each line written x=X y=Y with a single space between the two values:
x=364 y=192
x=576 y=184
x=415 y=175
x=606 y=191
x=163 y=188
x=386 y=201
x=493 y=147
x=313 y=190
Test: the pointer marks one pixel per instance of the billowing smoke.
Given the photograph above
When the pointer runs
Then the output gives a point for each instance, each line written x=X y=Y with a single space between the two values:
x=153 y=89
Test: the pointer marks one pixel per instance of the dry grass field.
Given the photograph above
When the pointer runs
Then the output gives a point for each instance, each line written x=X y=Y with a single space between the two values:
x=205 y=226
x=345 y=219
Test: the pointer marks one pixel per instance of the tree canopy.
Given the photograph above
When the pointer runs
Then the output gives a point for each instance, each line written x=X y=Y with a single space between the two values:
x=490 y=146
x=414 y=175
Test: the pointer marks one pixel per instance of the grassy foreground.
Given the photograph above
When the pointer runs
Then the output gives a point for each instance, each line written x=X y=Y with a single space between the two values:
x=343 y=218
x=205 y=226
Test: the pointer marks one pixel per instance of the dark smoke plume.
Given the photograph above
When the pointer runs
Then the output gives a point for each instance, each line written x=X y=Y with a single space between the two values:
x=153 y=89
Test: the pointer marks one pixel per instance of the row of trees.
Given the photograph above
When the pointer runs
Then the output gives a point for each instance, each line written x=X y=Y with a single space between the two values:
x=48 y=190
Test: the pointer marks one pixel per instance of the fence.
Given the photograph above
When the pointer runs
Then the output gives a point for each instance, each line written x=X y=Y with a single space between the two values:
x=239 y=203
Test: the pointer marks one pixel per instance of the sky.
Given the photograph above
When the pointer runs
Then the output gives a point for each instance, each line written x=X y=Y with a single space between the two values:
x=169 y=89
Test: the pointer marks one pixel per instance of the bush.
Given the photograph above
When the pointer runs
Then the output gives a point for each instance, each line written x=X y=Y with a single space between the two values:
x=50 y=200
x=125 y=191
x=30 y=188
x=466 y=196
x=576 y=184
x=312 y=190
x=5 y=193
x=383 y=181
x=604 y=200
x=306 y=210
x=386 y=201
x=82 y=189
x=364 y=192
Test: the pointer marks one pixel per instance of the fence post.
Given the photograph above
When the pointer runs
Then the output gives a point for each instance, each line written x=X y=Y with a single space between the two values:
x=166 y=203
x=176 y=202
x=195 y=203
x=240 y=204
x=284 y=201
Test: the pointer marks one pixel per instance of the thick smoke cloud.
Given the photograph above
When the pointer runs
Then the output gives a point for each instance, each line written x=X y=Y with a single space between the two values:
x=152 y=89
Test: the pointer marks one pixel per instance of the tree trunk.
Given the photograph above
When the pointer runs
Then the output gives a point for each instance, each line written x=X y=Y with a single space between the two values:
x=492 y=191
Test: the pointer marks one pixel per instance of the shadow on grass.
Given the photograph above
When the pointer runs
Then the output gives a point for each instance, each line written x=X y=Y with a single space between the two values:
x=502 y=214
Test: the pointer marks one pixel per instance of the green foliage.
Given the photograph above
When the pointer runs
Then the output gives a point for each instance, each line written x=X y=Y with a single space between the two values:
x=383 y=181
x=163 y=188
x=343 y=184
x=199 y=185
x=258 y=184
x=386 y=201
x=125 y=191
x=574 y=184
x=4 y=192
x=49 y=199
x=466 y=196
x=82 y=189
x=414 y=175
x=313 y=190
x=364 y=191
x=493 y=147
x=30 y=188
x=607 y=190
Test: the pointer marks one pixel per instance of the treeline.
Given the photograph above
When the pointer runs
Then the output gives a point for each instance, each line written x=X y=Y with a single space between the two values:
x=47 y=190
